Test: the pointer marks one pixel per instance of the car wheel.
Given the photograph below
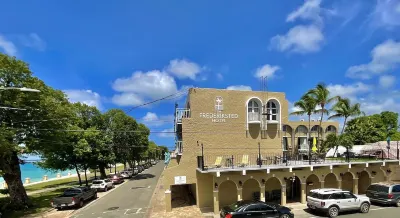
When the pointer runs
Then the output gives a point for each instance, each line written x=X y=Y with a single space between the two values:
x=398 y=203
x=284 y=216
x=80 y=203
x=333 y=211
x=113 y=186
x=364 y=207
x=95 y=196
x=105 y=189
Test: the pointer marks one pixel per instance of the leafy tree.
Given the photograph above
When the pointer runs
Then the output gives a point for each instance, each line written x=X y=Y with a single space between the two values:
x=322 y=96
x=24 y=127
x=344 y=108
x=164 y=150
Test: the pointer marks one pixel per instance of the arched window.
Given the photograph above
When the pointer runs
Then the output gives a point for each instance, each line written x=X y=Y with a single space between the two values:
x=301 y=129
x=314 y=128
x=331 y=129
x=272 y=111
x=253 y=109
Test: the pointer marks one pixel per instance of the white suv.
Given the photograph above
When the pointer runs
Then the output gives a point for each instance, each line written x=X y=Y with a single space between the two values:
x=102 y=184
x=334 y=201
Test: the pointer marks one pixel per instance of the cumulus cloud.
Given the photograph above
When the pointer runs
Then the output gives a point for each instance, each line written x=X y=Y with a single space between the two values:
x=127 y=99
x=387 y=81
x=152 y=119
x=299 y=39
x=266 y=71
x=310 y=10
x=386 y=14
x=349 y=91
x=7 y=46
x=33 y=41
x=87 y=97
x=239 y=87
x=385 y=57
x=167 y=133
x=183 y=69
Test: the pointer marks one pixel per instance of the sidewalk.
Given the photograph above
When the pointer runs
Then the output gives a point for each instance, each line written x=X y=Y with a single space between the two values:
x=157 y=205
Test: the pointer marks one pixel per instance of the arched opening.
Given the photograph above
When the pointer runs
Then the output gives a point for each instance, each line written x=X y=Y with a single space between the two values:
x=312 y=182
x=363 y=182
x=227 y=193
x=287 y=137
x=251 y=190
x=331 y=181
x=330 y=129
x=293 y=189
x=273 y=189
x=273 y=111
x=347 y=182
x=315 y=129
x=254 y=111
x=301 y=139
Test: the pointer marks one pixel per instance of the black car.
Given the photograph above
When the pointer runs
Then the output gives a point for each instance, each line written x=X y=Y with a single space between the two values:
x=255 y=209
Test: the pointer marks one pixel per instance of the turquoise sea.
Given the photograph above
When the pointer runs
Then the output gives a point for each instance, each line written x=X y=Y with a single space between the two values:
x=36 y=173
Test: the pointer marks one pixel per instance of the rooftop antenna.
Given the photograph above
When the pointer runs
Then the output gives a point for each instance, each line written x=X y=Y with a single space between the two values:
x=265 y=89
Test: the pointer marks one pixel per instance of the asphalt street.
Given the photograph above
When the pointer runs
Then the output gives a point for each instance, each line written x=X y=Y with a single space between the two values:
x=131 y=199
x=376 y=211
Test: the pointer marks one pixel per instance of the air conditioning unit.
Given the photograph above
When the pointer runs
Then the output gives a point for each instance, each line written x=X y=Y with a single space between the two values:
x=302 y=120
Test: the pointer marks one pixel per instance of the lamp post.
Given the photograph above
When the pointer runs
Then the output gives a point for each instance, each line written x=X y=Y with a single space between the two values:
x=388 y=139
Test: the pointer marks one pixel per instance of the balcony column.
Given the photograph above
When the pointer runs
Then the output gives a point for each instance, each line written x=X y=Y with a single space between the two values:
x=239 y=194
x=216 y=202
x=322 y=184
x=339 y=182
x=262 y=193
x=303 y=193
x=355 y=186
x=283 y=195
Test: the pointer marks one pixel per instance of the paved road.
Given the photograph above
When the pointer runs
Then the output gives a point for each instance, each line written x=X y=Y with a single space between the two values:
x=131 y=199
x=375 y=212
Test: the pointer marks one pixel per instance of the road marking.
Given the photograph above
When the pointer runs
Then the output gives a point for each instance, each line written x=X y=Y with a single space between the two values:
x=138 y=210
x=127 y=211
x=381 y=208
x=149 y=186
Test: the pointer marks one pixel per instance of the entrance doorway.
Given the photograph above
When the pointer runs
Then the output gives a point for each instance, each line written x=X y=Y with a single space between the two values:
x=363 y=182
x=227 y=193
x=293 y=189
x=183 y=195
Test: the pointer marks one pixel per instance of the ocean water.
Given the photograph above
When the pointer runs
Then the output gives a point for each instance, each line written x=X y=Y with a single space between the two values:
x=35 y=173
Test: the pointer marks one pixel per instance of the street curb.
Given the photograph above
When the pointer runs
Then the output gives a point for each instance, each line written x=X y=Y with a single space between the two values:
x=148 y=212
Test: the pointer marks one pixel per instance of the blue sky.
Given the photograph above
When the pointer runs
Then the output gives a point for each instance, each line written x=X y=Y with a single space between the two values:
x=130 y=52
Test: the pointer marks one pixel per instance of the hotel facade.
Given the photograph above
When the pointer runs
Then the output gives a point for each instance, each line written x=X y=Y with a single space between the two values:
x=240 y=145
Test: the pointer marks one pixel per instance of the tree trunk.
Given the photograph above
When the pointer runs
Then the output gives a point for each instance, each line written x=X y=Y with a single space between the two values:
x=115 y=168
x=12 y=176
x=102 y=169
x=79 y=175
x=344 y=126
x=124 y=165
x=320 y=127
x=86 y=177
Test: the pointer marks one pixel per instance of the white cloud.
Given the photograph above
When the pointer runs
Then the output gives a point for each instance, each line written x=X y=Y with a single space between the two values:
x=386 y=14
x=87 y=97
x=7 y=46
x=299 y=39
x=377 y=104
x=387 y=81
x=349 y=91
x=266 y=70
x=33 y=41
x=310 y=10
x=127 y=99
x=385 y=57
x=152 y=119
x=167 y=133
x=220 y=77
x=183 y=69
x=152 y=84
x=239 y=87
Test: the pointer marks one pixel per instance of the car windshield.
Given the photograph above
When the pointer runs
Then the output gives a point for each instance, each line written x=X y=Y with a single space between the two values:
x=71 y=192
x=97 y=182
x=237 y=205
x=319 y=196
x=379 y=188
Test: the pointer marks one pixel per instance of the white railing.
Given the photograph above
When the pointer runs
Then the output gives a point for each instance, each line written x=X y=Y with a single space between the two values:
x=179 y=148
x=253 y=116
x=182 y=113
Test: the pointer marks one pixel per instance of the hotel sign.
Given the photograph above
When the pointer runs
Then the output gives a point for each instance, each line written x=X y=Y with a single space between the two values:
x=218 y=117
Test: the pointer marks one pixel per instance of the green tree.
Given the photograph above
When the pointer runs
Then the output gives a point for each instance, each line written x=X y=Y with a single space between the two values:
x=306 y=106
x=344 y=108
x=24 y=128
x=346 y=141
x=331 y=141
x=322 y=96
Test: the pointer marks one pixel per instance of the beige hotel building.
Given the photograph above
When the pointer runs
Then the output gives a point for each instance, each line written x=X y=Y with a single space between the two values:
x=240 y=145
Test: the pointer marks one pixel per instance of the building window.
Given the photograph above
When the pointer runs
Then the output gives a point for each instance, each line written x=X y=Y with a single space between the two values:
x=301 y=129
x=272 y=111
x=302 y=143
x=285 y=143
x=284 y=128
x=219 y=103
x=331 y=129
x=253 y=110
x=314 y=128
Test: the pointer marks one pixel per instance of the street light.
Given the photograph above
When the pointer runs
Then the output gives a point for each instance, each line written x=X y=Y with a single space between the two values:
x=388 y=139
x=23 y=89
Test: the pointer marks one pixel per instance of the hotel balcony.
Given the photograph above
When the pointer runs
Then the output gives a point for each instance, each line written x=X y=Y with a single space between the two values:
x=254 y=117
x=262 y=161
x=181 y=113
x=178 y=147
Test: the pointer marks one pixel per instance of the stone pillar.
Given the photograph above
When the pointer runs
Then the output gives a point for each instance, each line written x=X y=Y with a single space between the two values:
x=355 y=186
x=240 y=194
x=283 y=195
x=27 y=180
x=303 y=193
x=339 y=182
x=216 y=202
x=262 y=193
x=322 y=184
x=168 y=206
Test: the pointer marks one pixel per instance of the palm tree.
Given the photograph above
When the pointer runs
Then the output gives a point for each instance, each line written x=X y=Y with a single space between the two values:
x=322 y=97
x=344 y=108
x=306 y=105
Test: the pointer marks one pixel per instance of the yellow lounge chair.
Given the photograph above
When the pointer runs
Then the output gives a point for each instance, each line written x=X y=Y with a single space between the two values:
x=245 y=161
x=218 y=162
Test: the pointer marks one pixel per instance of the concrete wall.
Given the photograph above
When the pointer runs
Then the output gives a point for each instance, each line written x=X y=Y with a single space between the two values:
x=227 y=193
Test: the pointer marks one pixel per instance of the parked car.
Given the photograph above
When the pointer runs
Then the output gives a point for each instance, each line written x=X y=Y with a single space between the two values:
x=153 y=162
x=126 y=174
x=102 y=184
x=141 y=168
x=74 y=197
x=133 y=171
x=116 y=178
x=384 y=193
x=334 y=201
x=255 y=209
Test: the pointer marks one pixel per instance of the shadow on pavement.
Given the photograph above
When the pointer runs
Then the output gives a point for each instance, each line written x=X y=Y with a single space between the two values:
x=143 y=176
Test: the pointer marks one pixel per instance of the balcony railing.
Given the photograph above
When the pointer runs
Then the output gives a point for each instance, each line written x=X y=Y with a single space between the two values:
x=181 y=113
x=265 y=160
x=254 y=117
x=179 y=148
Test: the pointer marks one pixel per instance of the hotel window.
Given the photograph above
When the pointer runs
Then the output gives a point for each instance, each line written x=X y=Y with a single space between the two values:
x=272 y=111
x=331 y=129
x=253 y=110
x=314 y=128
x=301 y=129
x=219 y=103
x=285 y=143
x=302 y=143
